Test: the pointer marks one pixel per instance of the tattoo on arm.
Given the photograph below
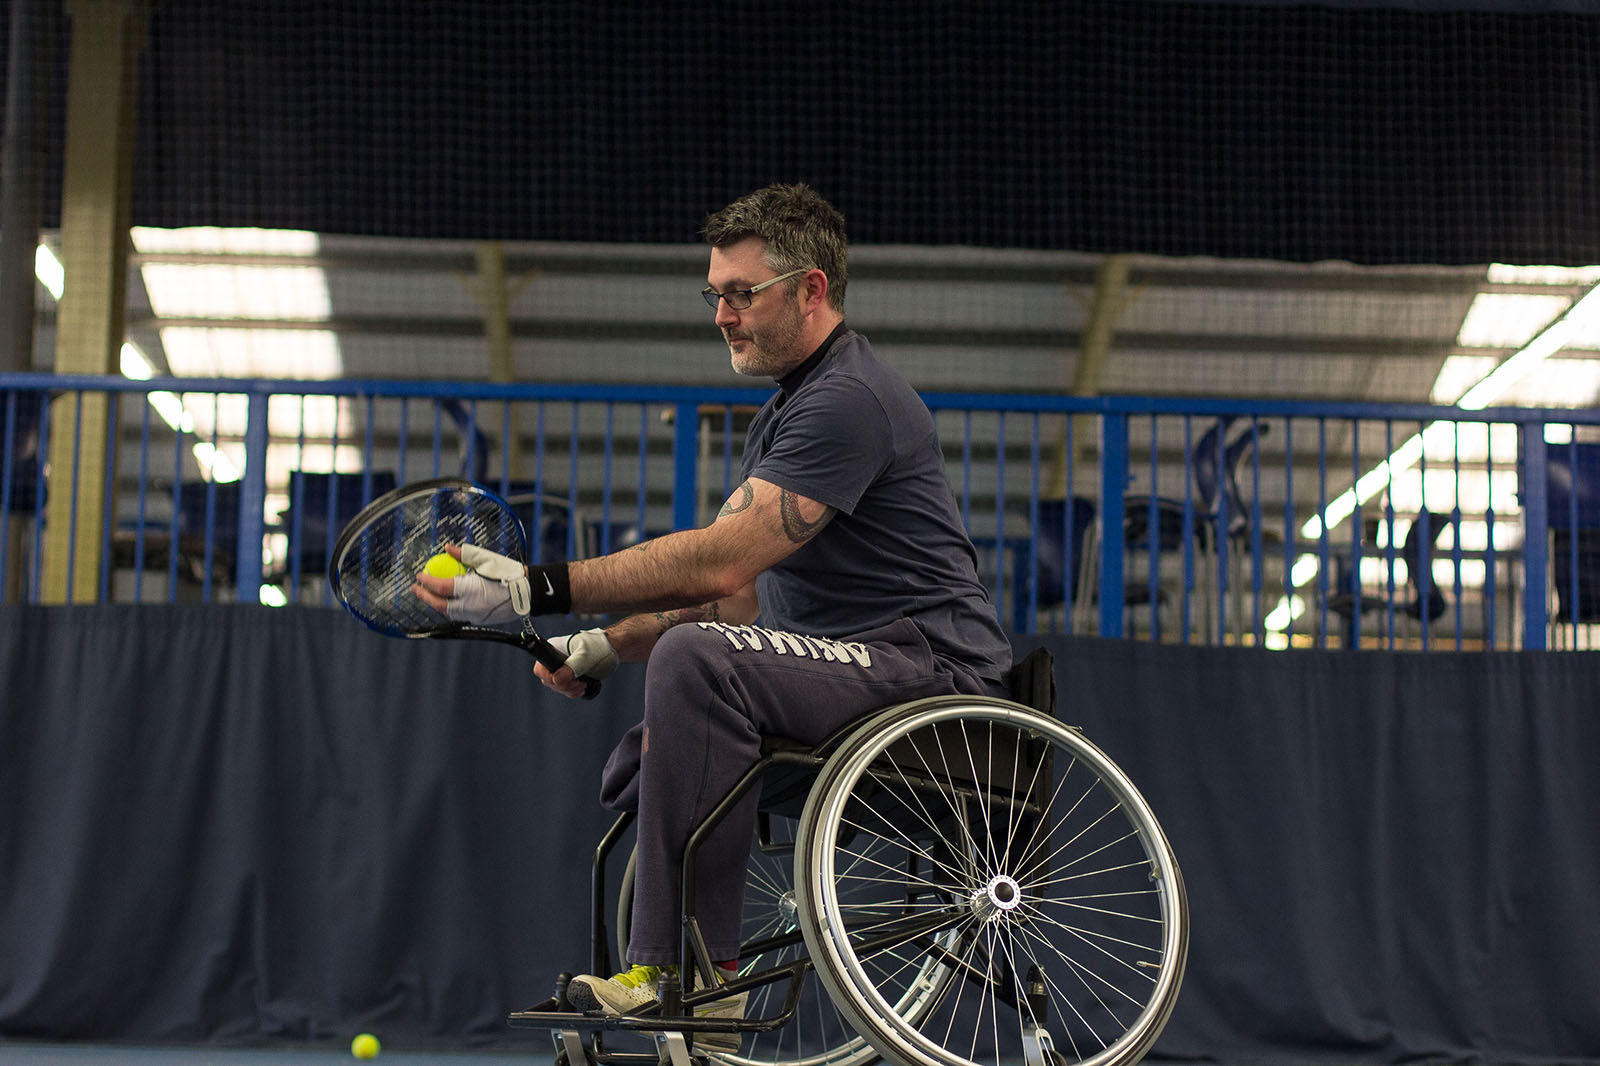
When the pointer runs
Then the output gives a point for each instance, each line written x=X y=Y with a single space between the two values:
x=706 y=612
x=739 y=501
x=794 y=526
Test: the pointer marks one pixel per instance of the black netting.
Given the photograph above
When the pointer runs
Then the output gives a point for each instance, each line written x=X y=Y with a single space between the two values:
x=1397 y=133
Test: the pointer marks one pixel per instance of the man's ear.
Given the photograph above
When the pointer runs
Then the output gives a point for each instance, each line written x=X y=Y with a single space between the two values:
x=814 y=289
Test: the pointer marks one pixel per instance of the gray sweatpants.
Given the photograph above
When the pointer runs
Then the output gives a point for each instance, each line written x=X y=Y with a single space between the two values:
x=711 y=692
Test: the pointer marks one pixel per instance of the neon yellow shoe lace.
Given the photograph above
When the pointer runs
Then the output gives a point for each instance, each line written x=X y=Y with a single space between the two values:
x=639 y=975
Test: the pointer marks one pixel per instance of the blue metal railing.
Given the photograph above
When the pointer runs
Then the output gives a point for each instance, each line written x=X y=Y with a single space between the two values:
x=1259 y=522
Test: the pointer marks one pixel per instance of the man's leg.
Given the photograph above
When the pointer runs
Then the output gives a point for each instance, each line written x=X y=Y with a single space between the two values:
x=711 y=693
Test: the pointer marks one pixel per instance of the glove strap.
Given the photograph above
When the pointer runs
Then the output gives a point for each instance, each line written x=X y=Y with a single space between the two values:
x=518 y=587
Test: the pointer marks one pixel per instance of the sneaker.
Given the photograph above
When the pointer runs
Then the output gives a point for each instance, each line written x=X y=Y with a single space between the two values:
x=730 y=1008
x=631 y=992
x=626 y=993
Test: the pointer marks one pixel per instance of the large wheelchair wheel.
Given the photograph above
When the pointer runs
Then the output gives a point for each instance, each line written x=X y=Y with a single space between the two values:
x=819 y=1035
x=1040 y=891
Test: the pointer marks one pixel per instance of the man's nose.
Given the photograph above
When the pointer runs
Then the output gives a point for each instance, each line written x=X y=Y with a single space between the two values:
x=726 y=316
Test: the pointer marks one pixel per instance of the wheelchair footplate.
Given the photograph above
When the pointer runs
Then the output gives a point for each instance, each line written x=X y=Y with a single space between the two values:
x=669 y=1021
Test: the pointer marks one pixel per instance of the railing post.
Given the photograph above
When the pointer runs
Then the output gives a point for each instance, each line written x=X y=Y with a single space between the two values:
x=686 y=465
x=1113 y=485
x=252 y=500
x=1535 y=537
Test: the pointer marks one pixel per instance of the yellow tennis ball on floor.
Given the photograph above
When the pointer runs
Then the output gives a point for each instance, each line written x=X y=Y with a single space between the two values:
x=366 y=1045
x=444 y=565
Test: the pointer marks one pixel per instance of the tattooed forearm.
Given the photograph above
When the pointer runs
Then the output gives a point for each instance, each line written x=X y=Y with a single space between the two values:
x=739 y=501
x=706 y=612
x=795 y=527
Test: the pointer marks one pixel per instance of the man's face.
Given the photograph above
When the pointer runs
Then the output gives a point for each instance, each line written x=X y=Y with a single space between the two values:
x=765 y=339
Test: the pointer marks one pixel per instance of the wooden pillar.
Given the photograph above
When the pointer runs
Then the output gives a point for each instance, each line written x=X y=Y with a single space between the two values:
x=96 y=195
x=1110 y=297
x=494 y=291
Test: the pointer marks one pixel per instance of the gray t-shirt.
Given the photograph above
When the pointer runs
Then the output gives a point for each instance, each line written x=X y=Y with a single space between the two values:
x=850 y=432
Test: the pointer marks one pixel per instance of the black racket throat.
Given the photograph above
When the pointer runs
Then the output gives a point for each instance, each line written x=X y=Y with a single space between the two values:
x=528 y=640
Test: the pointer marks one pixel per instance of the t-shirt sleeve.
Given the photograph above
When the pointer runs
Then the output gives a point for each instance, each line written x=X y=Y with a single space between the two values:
x=833 y=442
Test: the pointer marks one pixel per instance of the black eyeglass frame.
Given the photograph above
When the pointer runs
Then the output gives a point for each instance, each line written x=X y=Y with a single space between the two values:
x=741 y=299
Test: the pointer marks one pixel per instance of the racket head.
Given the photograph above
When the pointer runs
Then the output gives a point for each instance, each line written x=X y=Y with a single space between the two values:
x=381 y=550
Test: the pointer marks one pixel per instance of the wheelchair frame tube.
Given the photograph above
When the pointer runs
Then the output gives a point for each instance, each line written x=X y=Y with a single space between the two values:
x=692 y=945
x=599 y=950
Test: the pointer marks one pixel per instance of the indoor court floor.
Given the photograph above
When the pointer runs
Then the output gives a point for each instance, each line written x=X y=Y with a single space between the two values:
x=22 y=1053
x=28 y=1053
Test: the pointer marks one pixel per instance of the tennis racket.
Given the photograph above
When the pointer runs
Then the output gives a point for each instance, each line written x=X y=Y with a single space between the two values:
x=381 y=550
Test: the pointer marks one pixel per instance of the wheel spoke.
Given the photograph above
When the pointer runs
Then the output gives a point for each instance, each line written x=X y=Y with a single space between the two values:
x=914 y=848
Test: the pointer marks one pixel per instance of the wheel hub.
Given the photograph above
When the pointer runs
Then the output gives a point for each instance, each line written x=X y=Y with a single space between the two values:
x=1001 y=895
x=788 y=908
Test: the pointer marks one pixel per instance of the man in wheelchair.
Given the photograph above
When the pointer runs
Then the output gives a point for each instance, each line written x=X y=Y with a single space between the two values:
x=843 y=538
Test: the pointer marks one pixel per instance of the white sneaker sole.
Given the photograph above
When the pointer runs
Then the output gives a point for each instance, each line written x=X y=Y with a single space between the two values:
x=582 y=995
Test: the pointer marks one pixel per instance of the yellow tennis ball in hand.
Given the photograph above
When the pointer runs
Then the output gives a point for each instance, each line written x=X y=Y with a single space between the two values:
x=366 y=1045
x=444 y=565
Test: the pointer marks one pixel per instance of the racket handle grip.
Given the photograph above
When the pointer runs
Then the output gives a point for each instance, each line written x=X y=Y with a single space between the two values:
x=552 y=659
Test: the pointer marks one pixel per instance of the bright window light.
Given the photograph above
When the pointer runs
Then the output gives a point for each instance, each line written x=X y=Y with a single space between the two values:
x=1509 y=274
x=134 y=364
x=291 y=291
x=217 y=240
x=1458 y=374
x=1286 y=611
x=240 y=352
x=1560 y=382
x=1305 y=568
x=1508 y=319
x=1580 y=319
x=47 y=268
x=214 y=462
x=207 y=290
x=170 y=408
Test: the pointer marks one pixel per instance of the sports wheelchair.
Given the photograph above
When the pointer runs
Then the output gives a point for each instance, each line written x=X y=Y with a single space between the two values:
x=948 y=882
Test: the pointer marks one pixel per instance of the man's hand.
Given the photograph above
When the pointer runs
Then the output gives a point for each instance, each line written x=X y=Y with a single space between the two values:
x=499 y=590
x=589 y=655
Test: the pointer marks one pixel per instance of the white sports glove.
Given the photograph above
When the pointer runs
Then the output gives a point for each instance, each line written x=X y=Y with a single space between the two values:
x=589 y=653
x=496 y=592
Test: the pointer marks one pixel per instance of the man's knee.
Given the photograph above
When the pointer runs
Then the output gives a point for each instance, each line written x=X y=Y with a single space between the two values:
x=685 y=658
x=688 y=698
x=619 y=781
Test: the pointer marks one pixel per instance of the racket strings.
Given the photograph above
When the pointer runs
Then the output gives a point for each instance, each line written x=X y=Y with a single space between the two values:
x=381 y=561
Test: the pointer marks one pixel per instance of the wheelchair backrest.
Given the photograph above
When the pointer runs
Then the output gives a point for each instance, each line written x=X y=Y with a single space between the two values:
x=1033 y=681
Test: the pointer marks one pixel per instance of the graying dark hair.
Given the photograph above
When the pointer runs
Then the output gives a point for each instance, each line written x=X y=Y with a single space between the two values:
x=800 y=228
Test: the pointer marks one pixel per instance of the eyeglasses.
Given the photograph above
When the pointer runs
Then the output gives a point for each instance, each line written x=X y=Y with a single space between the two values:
x=739 y=299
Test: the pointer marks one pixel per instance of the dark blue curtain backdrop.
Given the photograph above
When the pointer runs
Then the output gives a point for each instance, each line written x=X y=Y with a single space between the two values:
x=1424 y=131
x=237 y=824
